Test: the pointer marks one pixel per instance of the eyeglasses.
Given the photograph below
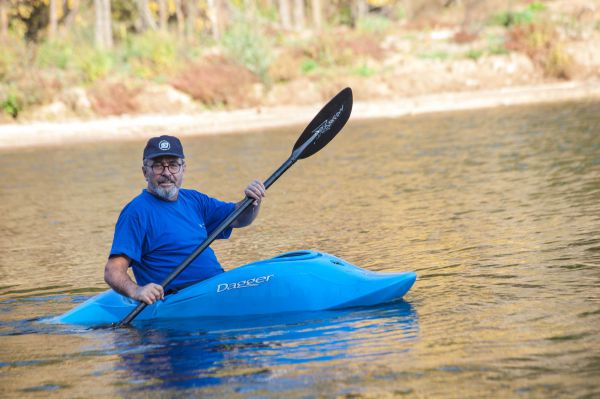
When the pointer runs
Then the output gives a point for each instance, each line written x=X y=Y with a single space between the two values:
x=158 y=168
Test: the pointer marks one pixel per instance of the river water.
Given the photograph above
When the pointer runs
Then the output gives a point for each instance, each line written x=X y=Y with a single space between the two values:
x=497 y=211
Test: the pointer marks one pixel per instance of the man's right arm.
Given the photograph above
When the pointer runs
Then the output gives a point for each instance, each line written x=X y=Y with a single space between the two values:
x=115 y=275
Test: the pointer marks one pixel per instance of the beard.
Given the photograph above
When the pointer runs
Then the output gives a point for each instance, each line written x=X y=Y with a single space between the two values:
x=167 y=194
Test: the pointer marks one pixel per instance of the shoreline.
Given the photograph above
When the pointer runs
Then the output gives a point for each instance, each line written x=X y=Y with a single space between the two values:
x=43 y=134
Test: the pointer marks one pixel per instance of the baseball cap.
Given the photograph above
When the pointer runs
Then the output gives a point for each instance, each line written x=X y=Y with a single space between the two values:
x=163 y=146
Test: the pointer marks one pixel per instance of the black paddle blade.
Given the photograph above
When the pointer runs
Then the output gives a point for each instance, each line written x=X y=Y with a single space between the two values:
x=323 y=128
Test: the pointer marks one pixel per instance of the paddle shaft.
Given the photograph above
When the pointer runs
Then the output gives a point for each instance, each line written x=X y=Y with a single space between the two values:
x=213 y=236
x=328 y=122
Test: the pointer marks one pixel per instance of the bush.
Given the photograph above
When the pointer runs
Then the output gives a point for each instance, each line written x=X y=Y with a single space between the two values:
x=218 y=82
x=93 y=64
x=541 y=43
x=526 y=16
x=113 y=98
x=250 y=48
x=308 y=65
x=287 y=65
x=339 y=49
x=439 y=55
x=27 y=88
x=150 y=54
x=12 y=104
x=371 y=23
x=496 y=45
x=474 y=54
x=54 y=54
x=13 y=57
x=364 y=71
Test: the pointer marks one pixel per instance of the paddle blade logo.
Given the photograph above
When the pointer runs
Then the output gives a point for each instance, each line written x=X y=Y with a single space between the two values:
x=164 y=145
x=326 y=125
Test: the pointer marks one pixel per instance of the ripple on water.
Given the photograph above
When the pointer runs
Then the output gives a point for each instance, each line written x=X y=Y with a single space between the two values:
x=496 y=210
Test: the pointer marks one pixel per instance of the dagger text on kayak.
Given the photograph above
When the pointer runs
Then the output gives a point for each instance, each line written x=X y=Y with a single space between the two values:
x=252 y=282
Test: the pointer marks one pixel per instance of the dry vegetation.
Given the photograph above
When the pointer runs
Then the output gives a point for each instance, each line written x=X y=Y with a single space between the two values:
x=390 y=53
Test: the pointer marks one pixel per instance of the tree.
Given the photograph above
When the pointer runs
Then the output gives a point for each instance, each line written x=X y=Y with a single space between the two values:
x=299 y=20
x=69 y=13
x=360 y=8
x=3 y=20
x=284 y=14
x=192 y=14
x=180 y=18
x=163 y=15
x=146 y=18
x=317 y=13
x=213 y=17
x=53 y=18
x=103 y=34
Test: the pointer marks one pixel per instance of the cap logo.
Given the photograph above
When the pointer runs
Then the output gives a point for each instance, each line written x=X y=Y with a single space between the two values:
x=164 y=145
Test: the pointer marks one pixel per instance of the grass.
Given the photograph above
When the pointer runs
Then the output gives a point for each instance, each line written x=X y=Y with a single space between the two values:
x=439 y=55
x=525 y=16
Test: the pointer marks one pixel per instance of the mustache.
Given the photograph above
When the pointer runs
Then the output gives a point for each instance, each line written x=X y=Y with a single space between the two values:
x=165 y=180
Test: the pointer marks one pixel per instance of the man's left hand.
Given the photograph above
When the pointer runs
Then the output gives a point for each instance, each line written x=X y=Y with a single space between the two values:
x=255 y=190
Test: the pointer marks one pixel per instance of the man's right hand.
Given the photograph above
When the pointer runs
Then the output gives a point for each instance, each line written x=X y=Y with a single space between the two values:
x=149 y=293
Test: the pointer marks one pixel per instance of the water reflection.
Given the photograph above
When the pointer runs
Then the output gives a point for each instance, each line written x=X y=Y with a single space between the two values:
x=195 y=353
x=497 y=211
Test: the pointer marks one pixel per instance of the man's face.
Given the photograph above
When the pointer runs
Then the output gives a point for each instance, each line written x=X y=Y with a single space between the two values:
x=164 y=176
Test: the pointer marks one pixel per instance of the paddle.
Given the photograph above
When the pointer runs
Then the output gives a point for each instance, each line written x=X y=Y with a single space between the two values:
x=319 y=132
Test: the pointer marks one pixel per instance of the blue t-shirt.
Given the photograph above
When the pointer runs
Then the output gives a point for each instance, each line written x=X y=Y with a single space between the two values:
x=158 y=235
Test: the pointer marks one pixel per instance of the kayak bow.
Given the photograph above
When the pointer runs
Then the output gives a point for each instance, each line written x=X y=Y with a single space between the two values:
x=297 y=281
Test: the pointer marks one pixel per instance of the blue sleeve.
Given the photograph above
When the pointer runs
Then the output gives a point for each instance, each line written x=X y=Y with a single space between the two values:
x=129 y=236
x=214 y=212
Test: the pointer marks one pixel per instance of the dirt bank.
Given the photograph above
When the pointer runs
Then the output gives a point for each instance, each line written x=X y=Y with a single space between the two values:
x=248 y=120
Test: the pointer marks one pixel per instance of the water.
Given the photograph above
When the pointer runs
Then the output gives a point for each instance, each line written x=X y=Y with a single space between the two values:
x=498 y=212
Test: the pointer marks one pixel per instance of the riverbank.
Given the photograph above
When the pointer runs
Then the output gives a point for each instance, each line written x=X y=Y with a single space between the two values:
x=137 y=127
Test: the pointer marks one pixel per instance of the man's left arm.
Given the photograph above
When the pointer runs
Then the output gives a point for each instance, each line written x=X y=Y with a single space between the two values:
x=255 y=190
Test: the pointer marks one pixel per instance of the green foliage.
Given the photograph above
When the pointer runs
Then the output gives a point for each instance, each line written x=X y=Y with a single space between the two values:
x=7 y=62
x=364 y=71
x=496 y=45
x=268 y=11
x=249 y=47
x=12 y=104
x=536 y=6
x=29 y=18
x=474 y=54
x=526 y=16
x=150 y=54
x=54 y=54
x=125 y=16
x=373 y=24
x=93 y=64
x=435 y=55
x=343 y=16
x=308 y=65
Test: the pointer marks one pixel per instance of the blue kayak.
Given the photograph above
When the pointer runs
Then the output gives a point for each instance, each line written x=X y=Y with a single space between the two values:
x=299 y=281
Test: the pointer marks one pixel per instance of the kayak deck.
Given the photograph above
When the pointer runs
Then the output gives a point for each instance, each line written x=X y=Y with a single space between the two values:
x=297 y=281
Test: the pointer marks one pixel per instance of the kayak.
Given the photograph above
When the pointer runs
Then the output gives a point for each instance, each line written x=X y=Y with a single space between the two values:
x=299 y=281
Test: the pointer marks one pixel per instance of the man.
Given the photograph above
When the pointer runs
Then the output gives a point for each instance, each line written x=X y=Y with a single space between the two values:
x=163 y=225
